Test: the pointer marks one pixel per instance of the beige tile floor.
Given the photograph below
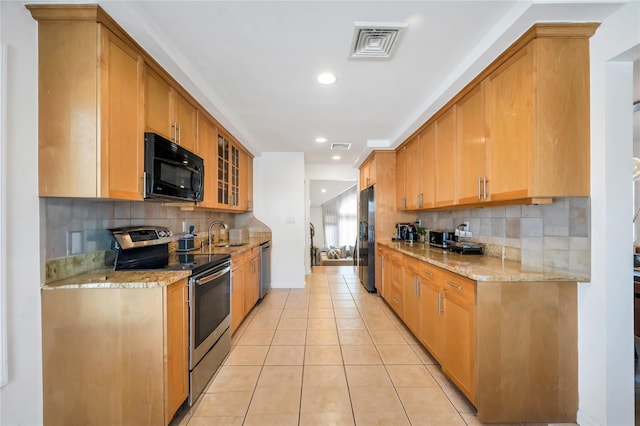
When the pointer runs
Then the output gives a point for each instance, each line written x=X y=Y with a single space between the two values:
x=328 y=354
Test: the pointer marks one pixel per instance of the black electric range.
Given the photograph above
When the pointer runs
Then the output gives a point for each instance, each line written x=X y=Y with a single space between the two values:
x=147 y=248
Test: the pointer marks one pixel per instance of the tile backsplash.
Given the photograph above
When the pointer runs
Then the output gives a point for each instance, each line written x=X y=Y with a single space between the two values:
x=546 y=236
x=89 y=221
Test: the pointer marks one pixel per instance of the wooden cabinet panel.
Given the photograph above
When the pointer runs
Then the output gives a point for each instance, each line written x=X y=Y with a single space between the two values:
x=432 y=319
x=396 y=293
x=208 y=150
x=460 y=333
x=379 y=275
x=412 y=174
x=122 y=152
x=446 y=158
x=177 y=368
x=185 y=118
x=510 y=106
x=243 y=181
x=368 y=173
x=470 y=148
x=426 y=168
x=157 y=109
x=411 y=281
x=251 y=288
x=401 y=199
x=237 y=291
x=249 y=177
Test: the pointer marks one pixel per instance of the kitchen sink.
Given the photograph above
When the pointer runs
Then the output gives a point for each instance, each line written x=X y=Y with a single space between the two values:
x=231 y=245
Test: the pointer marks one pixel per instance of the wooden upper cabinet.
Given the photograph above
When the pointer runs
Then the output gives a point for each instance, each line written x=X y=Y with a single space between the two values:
x=90 y=141
x=401 y=198
x=249 y=182
x=510 y=125
x=518 y=132
x=445 y=166
x=537 y=118
x=367 y=173
x=412 y=173
x=427 y=173
x=470 y=147
x=185 y=121
x=168 y=113
x=208 y=150
x=243 y=174
x=157 y=108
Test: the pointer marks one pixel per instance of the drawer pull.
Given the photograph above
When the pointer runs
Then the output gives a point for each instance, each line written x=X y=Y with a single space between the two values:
x=454 y=285
x=428 y=272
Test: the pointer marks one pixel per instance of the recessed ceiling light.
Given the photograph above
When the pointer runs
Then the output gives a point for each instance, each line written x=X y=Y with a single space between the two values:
x=323 y=190
x=321 y=140
x=326 y=78
x=336 y=157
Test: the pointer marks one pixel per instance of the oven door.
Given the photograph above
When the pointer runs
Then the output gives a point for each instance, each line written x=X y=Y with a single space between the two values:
x=210 y=308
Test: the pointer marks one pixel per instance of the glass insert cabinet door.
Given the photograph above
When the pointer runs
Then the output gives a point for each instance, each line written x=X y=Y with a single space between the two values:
x=228 y=173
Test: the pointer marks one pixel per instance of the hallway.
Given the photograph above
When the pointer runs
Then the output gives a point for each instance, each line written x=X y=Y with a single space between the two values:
x=328 y=354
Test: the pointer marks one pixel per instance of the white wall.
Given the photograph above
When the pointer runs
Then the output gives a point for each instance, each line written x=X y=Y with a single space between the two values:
x=316 y=219
x=279 y=202
x=606 y=367
x=21 y=398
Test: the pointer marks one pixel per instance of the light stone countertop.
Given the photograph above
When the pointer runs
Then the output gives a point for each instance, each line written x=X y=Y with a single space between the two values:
x=481 y=267
x=109 y=278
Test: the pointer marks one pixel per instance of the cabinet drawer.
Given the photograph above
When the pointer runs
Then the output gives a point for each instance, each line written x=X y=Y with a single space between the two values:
x=460 y=287
x=428 y=272
x=395 y=300
x=413 y=263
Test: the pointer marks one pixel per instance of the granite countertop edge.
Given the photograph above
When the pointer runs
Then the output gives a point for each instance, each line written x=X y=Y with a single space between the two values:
x=482 y=267
x=104 y=278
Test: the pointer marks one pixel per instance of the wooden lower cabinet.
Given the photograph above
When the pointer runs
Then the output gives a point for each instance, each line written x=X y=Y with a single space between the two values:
x=245 y=290
x=432 y=316
x=411 y=284
x=510 y=347
x=394 y=293
x=237 y=290
x=115 y=355
x=460 y=333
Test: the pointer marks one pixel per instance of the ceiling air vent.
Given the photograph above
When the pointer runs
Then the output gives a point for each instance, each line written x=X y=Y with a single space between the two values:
x=340 y=146
x=375 y=40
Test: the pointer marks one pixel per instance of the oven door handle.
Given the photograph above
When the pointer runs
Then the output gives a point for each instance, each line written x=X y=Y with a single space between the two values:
x=209 y=278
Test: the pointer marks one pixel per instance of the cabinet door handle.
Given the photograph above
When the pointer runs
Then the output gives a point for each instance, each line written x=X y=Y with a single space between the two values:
x=179 y=134
x=479 y=197
x=454 y=285
x=404 y=203
x=439 y=303
x=484 y=179
x=174 y=126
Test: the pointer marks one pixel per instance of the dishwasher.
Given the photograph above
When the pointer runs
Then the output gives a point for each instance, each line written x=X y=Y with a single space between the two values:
x=265 y=268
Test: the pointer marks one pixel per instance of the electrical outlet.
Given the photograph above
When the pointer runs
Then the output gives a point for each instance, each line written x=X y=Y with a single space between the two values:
x=75 y=242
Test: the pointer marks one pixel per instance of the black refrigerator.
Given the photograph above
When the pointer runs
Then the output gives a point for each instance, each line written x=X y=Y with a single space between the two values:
x=366 y=240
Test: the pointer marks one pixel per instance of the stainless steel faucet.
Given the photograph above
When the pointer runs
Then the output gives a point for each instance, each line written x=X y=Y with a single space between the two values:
x=211 y=225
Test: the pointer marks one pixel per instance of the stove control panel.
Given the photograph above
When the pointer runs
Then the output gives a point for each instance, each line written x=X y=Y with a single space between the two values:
x=141 y=236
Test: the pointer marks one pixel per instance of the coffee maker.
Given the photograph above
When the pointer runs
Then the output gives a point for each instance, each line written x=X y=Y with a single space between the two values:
x=406 y=232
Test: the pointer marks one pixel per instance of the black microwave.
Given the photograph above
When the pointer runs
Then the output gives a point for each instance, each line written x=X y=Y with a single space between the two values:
x=170 y=171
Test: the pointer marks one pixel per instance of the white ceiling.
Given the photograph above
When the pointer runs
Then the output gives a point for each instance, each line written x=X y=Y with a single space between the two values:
x=253 y=64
